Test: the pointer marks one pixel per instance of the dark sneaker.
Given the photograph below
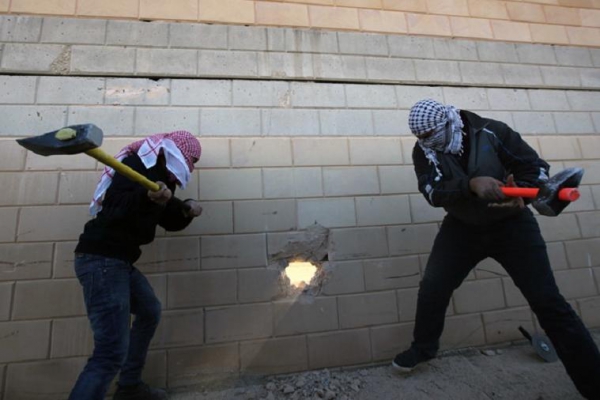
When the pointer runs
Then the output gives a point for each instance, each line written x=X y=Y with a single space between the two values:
x=139 y=392
x=408 y=360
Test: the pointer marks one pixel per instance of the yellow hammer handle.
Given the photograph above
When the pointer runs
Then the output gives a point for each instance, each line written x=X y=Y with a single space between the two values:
x=122 y=169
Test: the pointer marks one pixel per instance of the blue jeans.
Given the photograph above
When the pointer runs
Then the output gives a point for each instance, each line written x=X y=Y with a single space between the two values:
x=112 y=290
x=518 y=246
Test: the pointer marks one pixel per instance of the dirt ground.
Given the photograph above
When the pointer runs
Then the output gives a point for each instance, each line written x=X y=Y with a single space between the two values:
x=514 y=372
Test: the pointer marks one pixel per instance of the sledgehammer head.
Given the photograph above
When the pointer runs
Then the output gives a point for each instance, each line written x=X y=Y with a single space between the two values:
x=69 y=140
x=547 y=202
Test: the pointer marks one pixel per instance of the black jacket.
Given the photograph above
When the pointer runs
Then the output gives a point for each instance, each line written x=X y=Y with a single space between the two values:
x=128 y=218
x=494 y=150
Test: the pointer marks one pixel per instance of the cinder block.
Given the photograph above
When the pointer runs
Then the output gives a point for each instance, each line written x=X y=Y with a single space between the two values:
x=585 y=203
x=558 y=148
x=508 y=99
x=25 y=261
x=574 y=122
x=405 y=5
x=59 y=90
x=12 y=155
x=477 y=296
x=589 y=224
x=331 y=213
x=264 y=216
x=550 y=100
x=21 y=120
x=230 y=184
x=407 y=303
x=282 y=14
x=449 y=7
x=54 y=379
x=115 y=121
x=317 y=95
x=382 y=210
x=362 y=44
x=463 y=331
x=535 y=54
x=563 y=227
x=471 y=28
x=230 y=122
x=167 y=62
x=285 y=65
x=370 y=96
x=170 y=255
x=534 y=123
x=70 y=218
x=409 y=95
x=382 y=21
x=481 y=73
x=274 y=356
x=429 y=71
x=333 y=17
x=427 y=24
x=63 y=260
x=131 y=33
x=595 y=57
x=566 y=77
x=198 y=36
x=6 y=297
x=349 y=347
x=28 y=188
x=583 y=100
x=188 y=366
x=391 y=273
x=497 y=52
x=552 y=34
x=387 y=341
x=596 y=193
x=292 y=182
x=422 y=211
x=261 y=93
x=592 y=170
x=368 y=309
x=348 y=181
x=70 y=30
x=390 y=123
x=390 y=69
x=502 y=326
x=575 y=283
x=125 y=9
x=179 y=10
x=197 y=289
x=31 y=299
x=245 y=322
x=17 y=89
x=375 y=151
x=331 y=66
x=454 y=49
x=179 y=329
x=259 y=285
x=320 y=152
x=489 y=268
x=294 y=317
x=100 y=59
x=514 y=297
x=230 y=11
x=590 y=311
x=290 y=122
x=411 y=239
x=343 y=278
x=150 y=120
x=239 y=64
x=237 y=251
x=261 y=152
x=302 y=40
x=467 y=98
x=185 y=92
x=583 y=253
x=511 y=31
x=522 y=75
x=590 y=147
x=397 y=179
x=71 y=337
x=15 y=28
x=247 y=38
x=348 y=244
x=215 y=153
x=573 y=56
x=77 y=187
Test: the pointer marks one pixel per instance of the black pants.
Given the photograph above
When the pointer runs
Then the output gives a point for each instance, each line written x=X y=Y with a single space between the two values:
x=518 y=246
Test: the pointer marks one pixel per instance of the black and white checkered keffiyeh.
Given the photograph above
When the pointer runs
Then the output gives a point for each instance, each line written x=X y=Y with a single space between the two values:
x=429 y=115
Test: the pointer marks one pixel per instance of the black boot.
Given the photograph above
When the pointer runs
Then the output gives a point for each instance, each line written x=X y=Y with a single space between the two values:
x=139 y=392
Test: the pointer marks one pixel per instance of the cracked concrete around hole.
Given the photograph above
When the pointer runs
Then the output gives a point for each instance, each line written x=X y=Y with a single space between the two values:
x=313 y=247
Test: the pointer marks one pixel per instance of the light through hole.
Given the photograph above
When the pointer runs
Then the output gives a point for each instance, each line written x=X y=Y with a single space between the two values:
x=300 y=273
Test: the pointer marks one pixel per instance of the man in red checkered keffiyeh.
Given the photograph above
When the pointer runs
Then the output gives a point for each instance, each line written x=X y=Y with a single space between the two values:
x=126 y=217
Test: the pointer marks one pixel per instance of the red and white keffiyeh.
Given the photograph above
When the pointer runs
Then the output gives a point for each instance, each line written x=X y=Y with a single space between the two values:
x=180 y=148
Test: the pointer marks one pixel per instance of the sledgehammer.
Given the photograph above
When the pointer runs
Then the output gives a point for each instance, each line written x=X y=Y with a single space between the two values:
x=556 y=194
x=85 y=138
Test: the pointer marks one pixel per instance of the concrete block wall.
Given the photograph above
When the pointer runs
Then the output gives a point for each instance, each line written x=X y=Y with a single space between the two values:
x=282 y=150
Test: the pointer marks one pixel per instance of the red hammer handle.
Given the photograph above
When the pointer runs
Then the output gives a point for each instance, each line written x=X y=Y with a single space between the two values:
x=566 y=194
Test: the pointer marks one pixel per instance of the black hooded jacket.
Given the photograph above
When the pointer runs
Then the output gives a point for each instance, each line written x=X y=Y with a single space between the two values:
x=128 y=218
x=492 y=149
